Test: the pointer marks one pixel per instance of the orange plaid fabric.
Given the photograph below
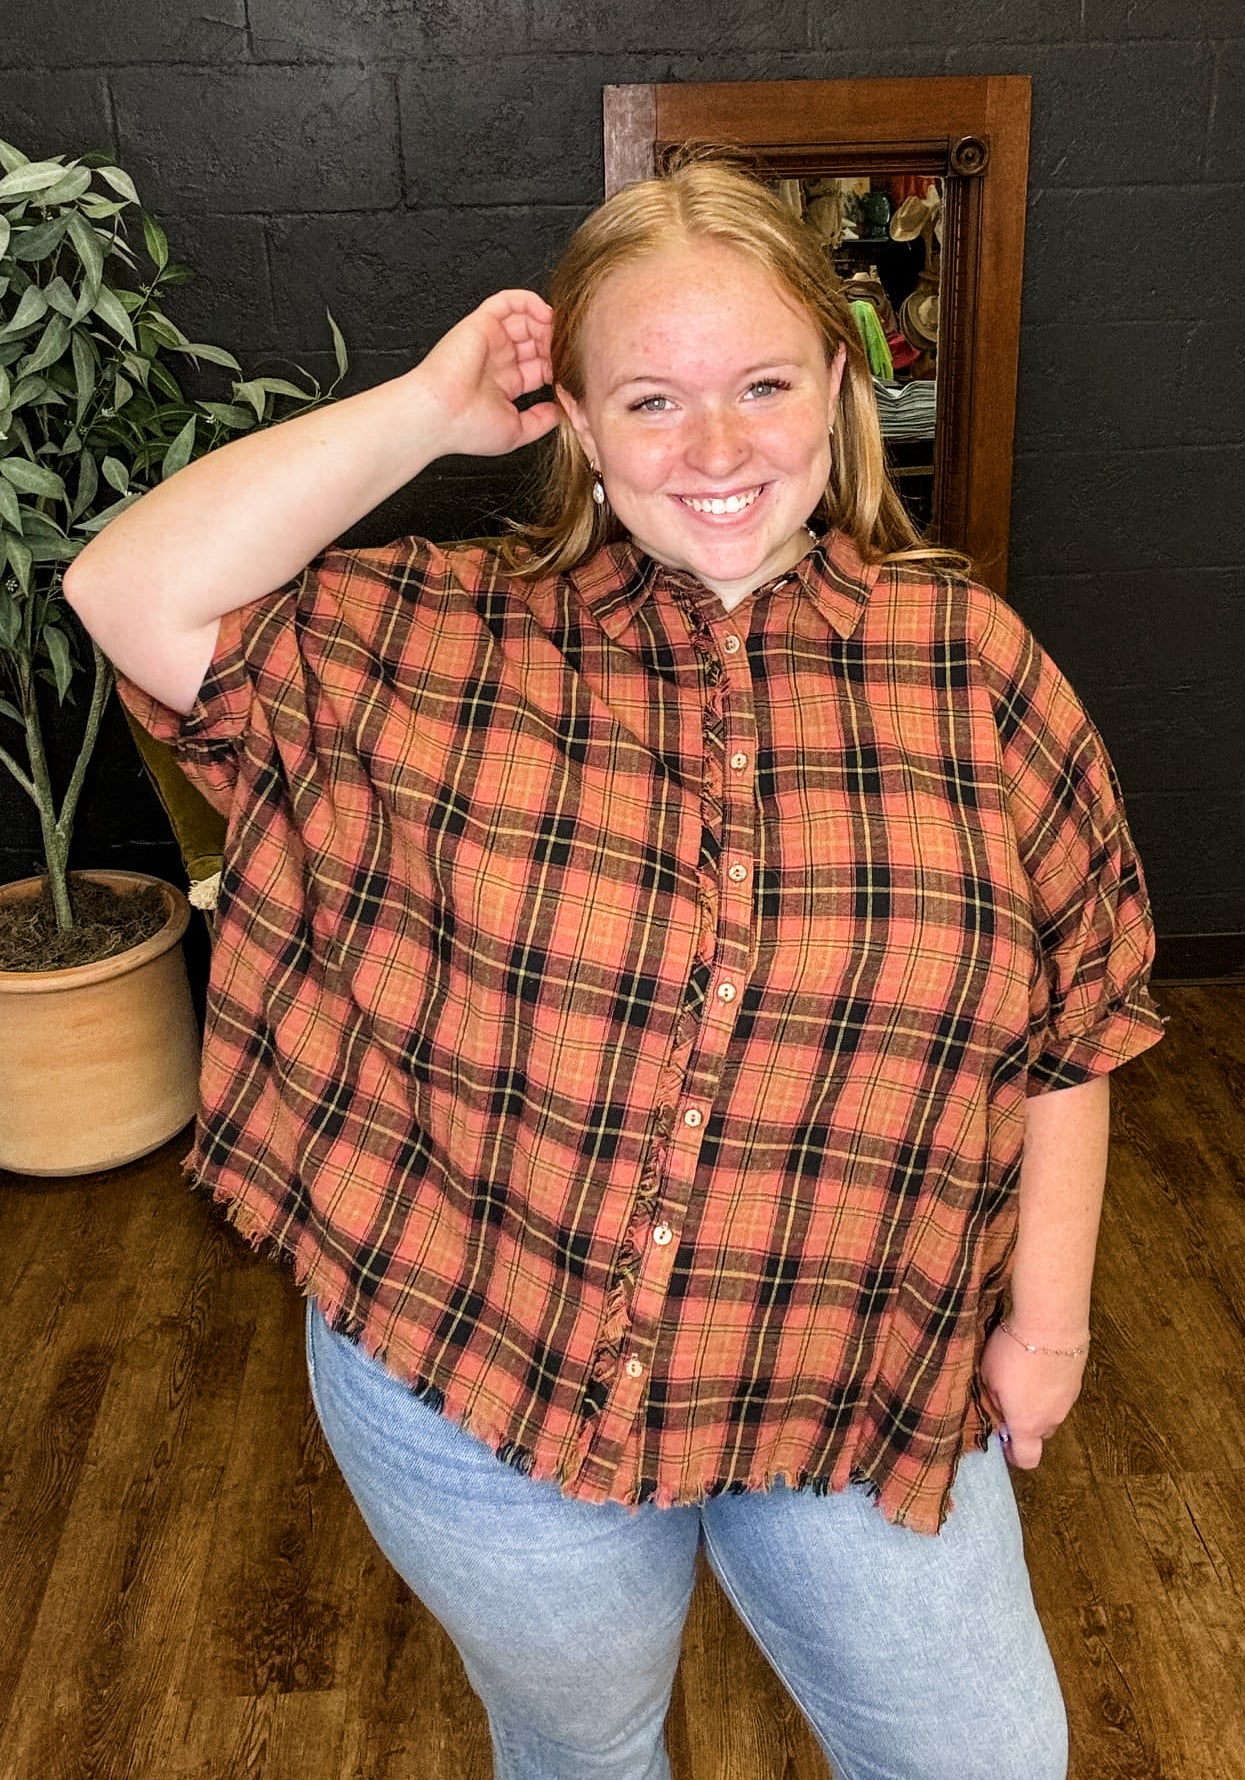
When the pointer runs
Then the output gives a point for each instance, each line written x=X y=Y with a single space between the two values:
x=622 y=1011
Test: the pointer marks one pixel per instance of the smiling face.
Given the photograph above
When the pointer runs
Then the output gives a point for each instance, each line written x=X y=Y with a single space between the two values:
x=707 y=407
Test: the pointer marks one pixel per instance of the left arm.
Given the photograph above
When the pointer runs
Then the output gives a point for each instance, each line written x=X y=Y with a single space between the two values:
x=1063 y=1171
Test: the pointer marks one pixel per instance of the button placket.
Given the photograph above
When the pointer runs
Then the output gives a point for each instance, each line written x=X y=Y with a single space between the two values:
x=726 y=721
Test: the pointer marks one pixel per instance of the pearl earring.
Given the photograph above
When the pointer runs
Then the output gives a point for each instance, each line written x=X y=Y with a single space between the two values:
x=598 y=488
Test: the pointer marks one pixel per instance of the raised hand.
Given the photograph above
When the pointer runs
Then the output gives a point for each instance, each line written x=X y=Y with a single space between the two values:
x=479 y=370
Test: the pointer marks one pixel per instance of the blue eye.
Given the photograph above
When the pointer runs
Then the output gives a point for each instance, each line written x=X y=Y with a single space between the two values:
x=650 y=405
x=767 y=386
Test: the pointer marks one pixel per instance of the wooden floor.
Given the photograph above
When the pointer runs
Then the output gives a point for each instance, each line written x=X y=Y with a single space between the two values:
x=185 y=1589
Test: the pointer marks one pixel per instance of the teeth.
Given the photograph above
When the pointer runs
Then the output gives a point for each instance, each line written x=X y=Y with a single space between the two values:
x=731 y=503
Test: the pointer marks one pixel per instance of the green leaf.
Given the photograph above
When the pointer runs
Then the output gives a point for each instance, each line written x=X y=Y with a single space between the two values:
x=157 y=241
x=10 y=507
x=6 y=229
x=69 y=189
x=164 y=381
x=61 y=298
x=120 y=182
x=108 y=307
x=215 y=355
x=88 y=486
x=57 y=645
x=35 y=176
x=32 y=478
x=90 y=250
x=101 y=208
x=33 y=389
x=53 y=549
x=178 y=454
x=38 y=242
x=116 y=475
x=228 y=414
x=157 y=330
x=7 y=707
x=10 y=616
x=32 y=308
x=19 y=434
x=85 y=361
x=38 y=525
x=19 y=559
x=100 y=520
x=52 y=343
x=252 y=392
x=121 y=392
x=11 y=158
x=339 y=345
x=136 y=366
x=176 y=273
x=278 y=386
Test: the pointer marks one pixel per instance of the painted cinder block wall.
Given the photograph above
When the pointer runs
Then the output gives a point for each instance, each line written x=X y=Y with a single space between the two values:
x=396 y=160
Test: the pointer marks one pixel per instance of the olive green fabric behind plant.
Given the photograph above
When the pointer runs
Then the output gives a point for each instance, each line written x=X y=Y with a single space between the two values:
x=198 y=828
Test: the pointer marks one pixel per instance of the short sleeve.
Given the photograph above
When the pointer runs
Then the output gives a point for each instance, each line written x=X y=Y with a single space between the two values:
x=205 y=741
x=258 y=676
x=1091 y=1006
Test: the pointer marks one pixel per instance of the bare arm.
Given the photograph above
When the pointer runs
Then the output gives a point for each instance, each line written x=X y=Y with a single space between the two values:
x=1061 y=1183
x=236 y=524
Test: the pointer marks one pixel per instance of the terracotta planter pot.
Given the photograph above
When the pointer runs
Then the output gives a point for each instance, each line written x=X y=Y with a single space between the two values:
x=99 y=1063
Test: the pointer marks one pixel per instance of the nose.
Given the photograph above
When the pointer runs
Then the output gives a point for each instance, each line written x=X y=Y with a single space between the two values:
x=718 y=442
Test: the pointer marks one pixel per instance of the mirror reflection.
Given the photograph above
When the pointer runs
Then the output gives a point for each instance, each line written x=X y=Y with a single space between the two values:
x=883 y=236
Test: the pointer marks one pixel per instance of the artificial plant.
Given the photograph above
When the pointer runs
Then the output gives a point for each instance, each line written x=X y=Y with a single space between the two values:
x=92 y=415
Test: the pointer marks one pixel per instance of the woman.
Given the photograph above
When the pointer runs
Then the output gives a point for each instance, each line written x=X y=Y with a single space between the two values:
x=667 y=971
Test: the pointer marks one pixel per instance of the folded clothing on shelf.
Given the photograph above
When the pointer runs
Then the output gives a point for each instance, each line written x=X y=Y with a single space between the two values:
x=907 y=410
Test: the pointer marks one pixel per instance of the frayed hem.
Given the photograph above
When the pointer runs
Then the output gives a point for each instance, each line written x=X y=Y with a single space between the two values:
x=892 y=1499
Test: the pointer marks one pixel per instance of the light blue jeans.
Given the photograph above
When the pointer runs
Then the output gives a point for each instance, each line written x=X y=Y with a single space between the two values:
x=913 y=1657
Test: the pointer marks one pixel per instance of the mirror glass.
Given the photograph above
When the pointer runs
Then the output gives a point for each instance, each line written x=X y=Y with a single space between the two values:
x=883 y=236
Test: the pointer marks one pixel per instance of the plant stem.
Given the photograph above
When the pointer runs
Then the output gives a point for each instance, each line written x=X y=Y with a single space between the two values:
x=55 y=845
x=23 y=779
x=99 y=698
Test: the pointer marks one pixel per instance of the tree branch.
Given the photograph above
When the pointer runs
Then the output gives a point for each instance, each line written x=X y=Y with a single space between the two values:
x=99 y=698
x=26 y=783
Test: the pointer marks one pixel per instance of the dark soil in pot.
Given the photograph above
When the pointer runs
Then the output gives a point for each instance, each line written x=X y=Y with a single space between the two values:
x=106 y=922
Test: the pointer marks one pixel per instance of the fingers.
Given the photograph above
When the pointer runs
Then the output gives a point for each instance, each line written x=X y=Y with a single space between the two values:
x=526 y=319
x=536 y=421
x=518 y=302
x=520 y=327
x=1024 y=1451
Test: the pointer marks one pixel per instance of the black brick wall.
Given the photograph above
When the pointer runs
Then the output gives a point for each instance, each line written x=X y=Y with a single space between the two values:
x=396 y=160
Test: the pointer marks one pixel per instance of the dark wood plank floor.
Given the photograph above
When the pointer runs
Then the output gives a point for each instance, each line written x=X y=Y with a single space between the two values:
x=186 y=1591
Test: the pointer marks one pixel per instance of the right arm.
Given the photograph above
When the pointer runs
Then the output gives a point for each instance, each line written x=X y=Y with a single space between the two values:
x=152 y=587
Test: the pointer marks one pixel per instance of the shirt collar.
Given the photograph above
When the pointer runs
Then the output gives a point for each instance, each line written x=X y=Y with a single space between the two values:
x=616 y=581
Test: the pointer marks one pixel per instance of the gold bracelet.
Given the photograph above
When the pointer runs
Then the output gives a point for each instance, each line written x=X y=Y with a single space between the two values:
x=1031 y=1347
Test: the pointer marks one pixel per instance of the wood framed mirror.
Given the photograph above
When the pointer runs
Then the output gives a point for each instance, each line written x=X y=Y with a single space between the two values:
x=965 y=143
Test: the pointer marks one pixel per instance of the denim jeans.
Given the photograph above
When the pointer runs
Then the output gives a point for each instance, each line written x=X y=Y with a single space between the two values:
x=913 y=1657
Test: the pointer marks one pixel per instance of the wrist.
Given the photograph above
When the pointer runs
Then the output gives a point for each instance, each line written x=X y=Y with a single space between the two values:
x=422 y=417
x=1072 y=1347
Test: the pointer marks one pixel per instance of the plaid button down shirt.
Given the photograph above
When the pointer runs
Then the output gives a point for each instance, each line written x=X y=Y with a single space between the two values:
x=623 y=1011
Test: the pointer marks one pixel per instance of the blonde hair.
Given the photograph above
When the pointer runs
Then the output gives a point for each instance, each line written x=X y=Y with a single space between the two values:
x=711 y=198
